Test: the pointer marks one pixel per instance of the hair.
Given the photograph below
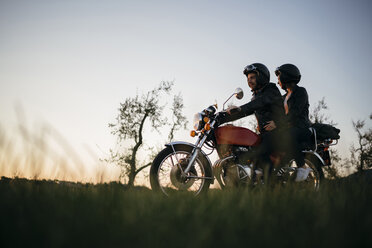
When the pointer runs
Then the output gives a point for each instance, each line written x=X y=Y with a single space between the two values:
x=290 y=84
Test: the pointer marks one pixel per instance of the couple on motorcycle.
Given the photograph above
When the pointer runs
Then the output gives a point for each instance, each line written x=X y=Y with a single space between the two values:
x=283 y=121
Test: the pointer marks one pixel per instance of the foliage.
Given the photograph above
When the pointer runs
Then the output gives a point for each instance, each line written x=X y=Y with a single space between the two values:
x=130 y=126
x=178 y=119
x=317 y=115
x=361 y=155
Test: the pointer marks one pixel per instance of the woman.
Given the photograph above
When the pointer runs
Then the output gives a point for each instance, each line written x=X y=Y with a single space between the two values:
x=296 y=106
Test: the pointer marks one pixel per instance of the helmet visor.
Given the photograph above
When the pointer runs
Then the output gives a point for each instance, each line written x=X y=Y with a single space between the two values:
x=249 y=69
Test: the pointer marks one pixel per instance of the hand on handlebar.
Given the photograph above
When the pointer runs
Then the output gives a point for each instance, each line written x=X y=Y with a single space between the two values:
x=233 y=110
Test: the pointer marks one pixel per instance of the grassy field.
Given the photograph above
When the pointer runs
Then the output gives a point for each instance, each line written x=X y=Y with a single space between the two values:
x=52 y=214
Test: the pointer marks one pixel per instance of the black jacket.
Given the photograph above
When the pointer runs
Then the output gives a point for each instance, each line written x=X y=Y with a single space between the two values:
x=298 y=108
x=266 y=104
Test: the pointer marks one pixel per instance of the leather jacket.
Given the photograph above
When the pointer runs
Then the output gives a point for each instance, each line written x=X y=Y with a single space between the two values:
x=298 y=108
x=266 y=104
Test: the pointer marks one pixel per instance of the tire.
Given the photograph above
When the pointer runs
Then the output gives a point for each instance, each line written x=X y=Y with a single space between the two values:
x=315 y=177
x=317 y=167
x=164 y=172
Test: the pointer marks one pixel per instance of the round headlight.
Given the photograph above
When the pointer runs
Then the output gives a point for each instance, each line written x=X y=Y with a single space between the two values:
x=198 y=121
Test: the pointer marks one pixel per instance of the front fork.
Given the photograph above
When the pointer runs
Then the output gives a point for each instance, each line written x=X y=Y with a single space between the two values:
x=195 y=153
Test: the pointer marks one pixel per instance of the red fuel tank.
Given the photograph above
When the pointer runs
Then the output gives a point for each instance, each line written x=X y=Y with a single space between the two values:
x=232 y=135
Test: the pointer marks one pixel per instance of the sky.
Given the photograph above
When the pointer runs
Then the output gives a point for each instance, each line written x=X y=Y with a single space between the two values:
x=71 y=63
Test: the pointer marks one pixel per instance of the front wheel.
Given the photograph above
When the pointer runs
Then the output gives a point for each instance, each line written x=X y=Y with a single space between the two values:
x=166 y=175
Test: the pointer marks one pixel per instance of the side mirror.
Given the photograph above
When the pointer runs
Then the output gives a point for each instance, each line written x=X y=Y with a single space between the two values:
x=239 y=93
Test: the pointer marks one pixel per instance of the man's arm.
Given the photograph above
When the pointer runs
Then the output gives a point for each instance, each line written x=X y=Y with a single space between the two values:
x=249 y=108
x=235 y=115
x=270 y=96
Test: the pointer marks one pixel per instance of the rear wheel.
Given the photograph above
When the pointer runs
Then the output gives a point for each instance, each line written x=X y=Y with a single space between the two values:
x=315 y=177
x=166 y=175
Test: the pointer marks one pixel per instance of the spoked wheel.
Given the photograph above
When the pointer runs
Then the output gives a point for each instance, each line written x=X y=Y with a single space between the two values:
x=315 y=176
x=166 y=171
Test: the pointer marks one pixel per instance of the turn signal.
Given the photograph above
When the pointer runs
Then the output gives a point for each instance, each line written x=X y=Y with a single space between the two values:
x=206 y=119
x=207 y=127
x=193 y=133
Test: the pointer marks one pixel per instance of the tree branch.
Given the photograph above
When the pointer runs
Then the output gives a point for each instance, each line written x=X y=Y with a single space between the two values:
x=143 y=167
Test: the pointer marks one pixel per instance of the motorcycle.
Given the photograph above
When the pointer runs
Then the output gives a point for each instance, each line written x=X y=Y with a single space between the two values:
x=182 y=166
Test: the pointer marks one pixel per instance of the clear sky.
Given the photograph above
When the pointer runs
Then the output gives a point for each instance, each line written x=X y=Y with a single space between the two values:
x=70 y=63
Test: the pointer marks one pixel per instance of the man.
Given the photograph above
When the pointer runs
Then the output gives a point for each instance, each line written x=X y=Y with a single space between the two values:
x=266 y=104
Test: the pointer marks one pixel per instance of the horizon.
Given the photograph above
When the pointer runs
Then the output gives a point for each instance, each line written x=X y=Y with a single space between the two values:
x=70 y=64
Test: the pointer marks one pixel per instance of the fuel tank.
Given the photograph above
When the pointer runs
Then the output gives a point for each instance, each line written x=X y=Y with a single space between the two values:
x=232 y=135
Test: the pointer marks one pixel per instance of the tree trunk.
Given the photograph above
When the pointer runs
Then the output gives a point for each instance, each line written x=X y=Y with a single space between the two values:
x=133 y=165
x=361 y=162
x=131 y=178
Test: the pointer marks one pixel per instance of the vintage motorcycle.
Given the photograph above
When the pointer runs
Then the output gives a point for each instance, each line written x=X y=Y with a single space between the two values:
x=183 y=166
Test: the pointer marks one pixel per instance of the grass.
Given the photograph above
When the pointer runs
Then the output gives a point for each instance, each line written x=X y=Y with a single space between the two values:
x=51 y=214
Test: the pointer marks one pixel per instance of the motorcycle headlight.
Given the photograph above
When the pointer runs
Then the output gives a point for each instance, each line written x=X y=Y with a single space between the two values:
x=198 y=121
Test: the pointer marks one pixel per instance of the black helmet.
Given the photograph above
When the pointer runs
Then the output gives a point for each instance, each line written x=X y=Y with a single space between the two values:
x=288 y=73
x=263 y=74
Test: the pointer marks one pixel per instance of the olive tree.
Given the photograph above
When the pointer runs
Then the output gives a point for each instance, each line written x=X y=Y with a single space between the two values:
x=317 y=114
x=136 y=114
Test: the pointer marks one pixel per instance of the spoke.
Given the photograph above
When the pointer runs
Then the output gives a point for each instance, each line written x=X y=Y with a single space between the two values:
x=195 y=184
x=172 y=160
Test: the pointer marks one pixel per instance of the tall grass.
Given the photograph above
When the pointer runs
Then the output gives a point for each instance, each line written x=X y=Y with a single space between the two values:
x=42 y=213
x=41 y=152
x=37 y=213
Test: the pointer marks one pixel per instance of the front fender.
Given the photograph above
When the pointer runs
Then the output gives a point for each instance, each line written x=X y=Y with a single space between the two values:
x=175 y=143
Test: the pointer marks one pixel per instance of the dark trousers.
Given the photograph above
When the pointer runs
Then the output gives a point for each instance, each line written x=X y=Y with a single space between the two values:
x=293 y=142
x=290 y=141
x=269 y=143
